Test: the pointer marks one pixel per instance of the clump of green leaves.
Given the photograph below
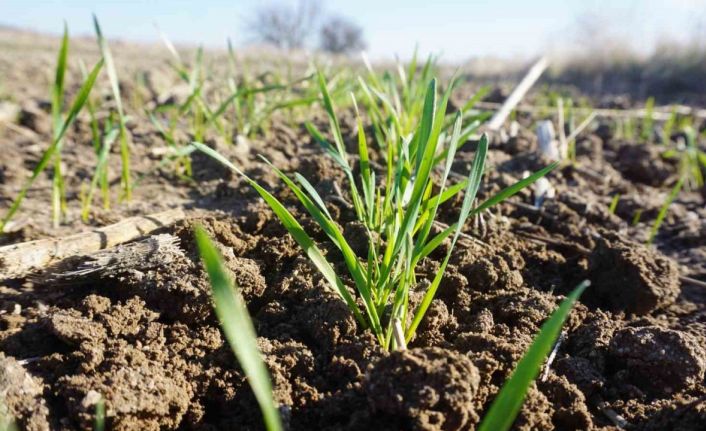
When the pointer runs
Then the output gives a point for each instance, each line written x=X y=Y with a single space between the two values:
x=398 y=214
x=394 y=103
x=242 y=108
x=238 y=328
x=252 y=101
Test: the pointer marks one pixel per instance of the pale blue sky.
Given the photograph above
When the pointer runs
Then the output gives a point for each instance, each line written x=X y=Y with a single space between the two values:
x=458 y=29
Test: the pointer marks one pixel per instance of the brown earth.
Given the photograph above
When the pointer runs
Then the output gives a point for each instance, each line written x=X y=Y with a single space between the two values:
x=146 y=339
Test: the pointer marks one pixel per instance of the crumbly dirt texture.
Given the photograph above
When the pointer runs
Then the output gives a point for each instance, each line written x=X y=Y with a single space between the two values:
x=144 y=337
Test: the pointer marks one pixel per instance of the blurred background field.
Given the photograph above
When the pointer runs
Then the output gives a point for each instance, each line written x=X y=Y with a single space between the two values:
x=637 y=49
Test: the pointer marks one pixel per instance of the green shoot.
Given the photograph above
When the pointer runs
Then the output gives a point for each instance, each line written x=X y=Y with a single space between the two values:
x=296 y=230
x=7 y=423
x=668 y=127
x=614 y=203
x=238 y=328
x=629 y=129
x=183 y=163
x=95 y=128
x=98 y=143
x=115 y=87
x=691 y=164
x=664 y=209
x=246 y=107
x=509 y=400
x=57 y=191
x=48 y=155
x=100 y=173
x=636 y=217
x=99 y=424
x=648 y=120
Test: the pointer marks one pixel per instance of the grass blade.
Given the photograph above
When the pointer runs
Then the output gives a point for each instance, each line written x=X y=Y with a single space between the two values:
x=515 y=188
x=664 y=208
x=474 y=180
x=99 y=424
x=328 y=105
x=58 y=88
x=509 y=400
x=101 y=166
x=238 y=328
x=115 y=87
x=436 y=241
x=57 y=105
x=331 y=229
x=430 y=214
x=312 y=193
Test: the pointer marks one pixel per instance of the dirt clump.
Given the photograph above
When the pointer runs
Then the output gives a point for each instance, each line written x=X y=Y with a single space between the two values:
x=139 y=391
x=536 y=412
x=291 y=365
x=570 y=411
x=492 y=272
x=324 y=319
x=630 y=277
x=438 y=325
x=179 y=290
x=683 y=416
x=659 y=360
x=117 y=351
x=21 y=396
x=644 y=164
x=425 y=389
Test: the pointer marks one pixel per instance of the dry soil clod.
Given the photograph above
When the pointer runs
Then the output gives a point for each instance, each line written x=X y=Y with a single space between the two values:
x=425 y=388
x=631 y=277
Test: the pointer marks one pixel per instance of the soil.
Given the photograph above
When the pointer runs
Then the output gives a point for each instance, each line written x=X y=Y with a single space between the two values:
x=144 y=337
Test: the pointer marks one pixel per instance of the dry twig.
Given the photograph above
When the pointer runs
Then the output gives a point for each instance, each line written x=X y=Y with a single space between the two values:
x=18 y=260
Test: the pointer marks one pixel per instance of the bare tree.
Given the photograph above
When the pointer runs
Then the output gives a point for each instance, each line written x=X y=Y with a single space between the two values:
x=340 y=35
x=283 y=25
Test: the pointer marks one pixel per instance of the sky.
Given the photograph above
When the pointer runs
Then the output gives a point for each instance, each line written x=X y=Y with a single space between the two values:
x=458 y=29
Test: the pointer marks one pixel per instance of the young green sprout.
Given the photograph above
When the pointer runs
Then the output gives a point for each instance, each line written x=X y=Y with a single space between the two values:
x=58 y=201
x=102 y=141
x=238 y=328
x=691 y=160
x=115 y=87
x=99 y=424
x=398 y=99
x=647 y=126
x=56 y=144
x=398 y=214
x=7 y=422
x=100 y=174
x=614 y=203
x=251 y=101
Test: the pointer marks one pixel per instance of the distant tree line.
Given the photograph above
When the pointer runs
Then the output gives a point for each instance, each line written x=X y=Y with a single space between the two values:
x=289 y=26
